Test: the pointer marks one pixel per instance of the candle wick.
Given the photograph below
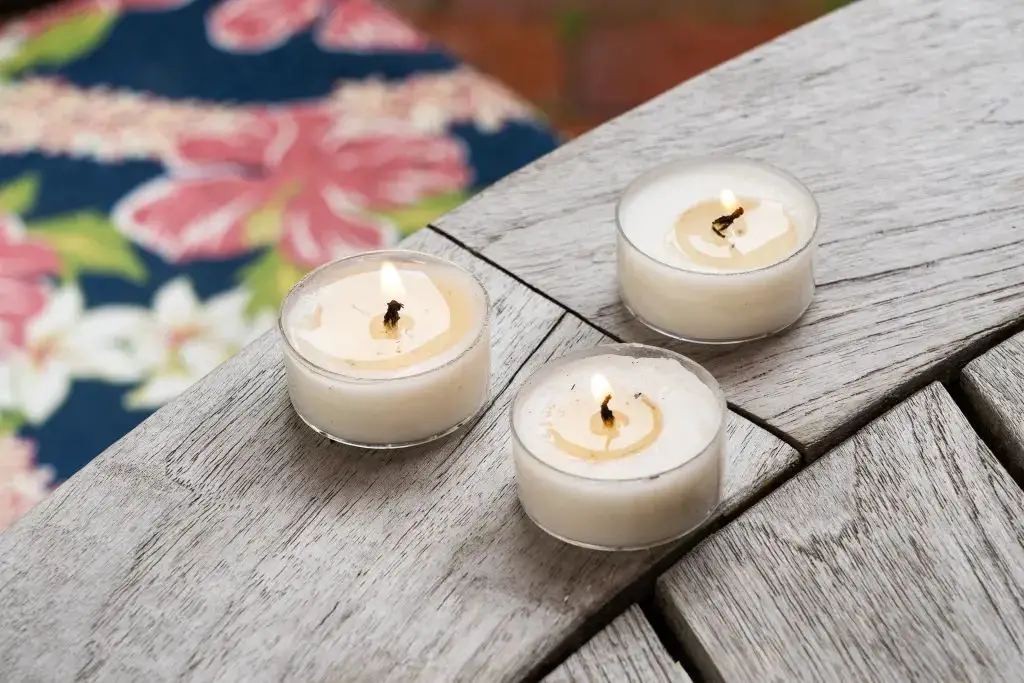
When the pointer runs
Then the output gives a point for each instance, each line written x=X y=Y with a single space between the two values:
x=391 y=316
x=607 y=416
x=722 y=223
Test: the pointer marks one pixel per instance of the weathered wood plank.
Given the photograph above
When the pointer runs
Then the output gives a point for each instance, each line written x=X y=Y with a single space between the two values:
x=898 y=556
x=627 y=651
x=994 y=384
x=921 y=239
x=261 y=552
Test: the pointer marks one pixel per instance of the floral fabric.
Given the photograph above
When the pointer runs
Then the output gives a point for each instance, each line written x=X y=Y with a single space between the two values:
x=169 y=168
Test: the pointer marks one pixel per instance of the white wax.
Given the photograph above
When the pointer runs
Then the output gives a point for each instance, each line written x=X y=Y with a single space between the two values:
x=366 y=389
x=336 y=321
x=641 y=499
x=670 y=292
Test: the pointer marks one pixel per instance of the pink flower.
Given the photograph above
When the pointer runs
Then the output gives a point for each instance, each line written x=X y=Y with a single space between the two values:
x=347 y=25
x=290 y=179
x=22 y=482
x=24 y=265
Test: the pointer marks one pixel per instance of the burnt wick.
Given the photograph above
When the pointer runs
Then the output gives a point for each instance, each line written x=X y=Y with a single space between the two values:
x=722 y=223
x=391 y=316
x=607 y=416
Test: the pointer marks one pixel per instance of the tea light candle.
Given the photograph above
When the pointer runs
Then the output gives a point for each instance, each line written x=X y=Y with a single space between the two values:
x=386 y=349
x=619 y=447
x=716 y=250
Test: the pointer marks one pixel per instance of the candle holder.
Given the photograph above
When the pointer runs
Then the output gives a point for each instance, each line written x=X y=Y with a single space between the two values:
x=721 y=286
x=371 y=368
x=654 y=481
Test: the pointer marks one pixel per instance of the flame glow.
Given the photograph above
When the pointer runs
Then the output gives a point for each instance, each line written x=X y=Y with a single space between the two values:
x=728 y=200
x=391 y=282
x=600 y=387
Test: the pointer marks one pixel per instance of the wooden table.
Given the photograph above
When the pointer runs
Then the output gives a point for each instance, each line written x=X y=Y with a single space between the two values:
x=223 y=540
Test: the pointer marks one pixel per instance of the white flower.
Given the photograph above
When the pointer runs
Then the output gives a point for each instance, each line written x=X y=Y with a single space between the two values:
x=190 y=339
x=39 y=374
x=61 y=345
x=11 y=42
x=166 y=348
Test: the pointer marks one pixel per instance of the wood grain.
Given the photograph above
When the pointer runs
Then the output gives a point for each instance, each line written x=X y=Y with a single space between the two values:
x=921 y=250
x=899 y=556
x=626 y=651
x=994 y=384
x=222 y=540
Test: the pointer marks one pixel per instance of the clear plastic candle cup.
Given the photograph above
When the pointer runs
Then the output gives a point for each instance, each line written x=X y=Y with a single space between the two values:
x=716 y=249
x=619 y=447
x=386 y=349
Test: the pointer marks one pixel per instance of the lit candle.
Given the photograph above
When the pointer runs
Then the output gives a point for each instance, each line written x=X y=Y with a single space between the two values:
x=386 y=349
x=619 y=447
x=716 y=250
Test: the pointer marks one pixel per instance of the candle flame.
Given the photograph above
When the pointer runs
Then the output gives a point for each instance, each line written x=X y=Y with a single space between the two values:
x=600 y=387
x=728 y=200
x=391 y=282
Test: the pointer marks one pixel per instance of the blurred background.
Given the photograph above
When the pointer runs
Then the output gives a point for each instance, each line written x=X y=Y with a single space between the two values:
x=583 y=62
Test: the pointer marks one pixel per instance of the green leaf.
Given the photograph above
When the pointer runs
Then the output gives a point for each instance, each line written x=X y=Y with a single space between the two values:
x=10 y=422
x=268 y=280
x=19 y=196
x=411 y=218
x=63 y=42
x=87 y=242
x=263 y=227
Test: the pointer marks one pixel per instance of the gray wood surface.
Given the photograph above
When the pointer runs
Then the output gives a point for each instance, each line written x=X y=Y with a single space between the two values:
x=900 y=115
x=222 y=540
x=994 y=384
x=626 y=651
x=899 y=556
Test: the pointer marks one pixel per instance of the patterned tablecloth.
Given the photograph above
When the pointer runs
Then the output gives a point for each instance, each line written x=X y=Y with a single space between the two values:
x=168 y=168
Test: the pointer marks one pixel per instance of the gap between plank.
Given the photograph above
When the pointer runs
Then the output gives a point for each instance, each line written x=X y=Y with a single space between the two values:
x=954 y=387
x=462 y=245
x=944 y=371
x=659 y=624
x=808 y=453
x=639 y=591
x=771 y=429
